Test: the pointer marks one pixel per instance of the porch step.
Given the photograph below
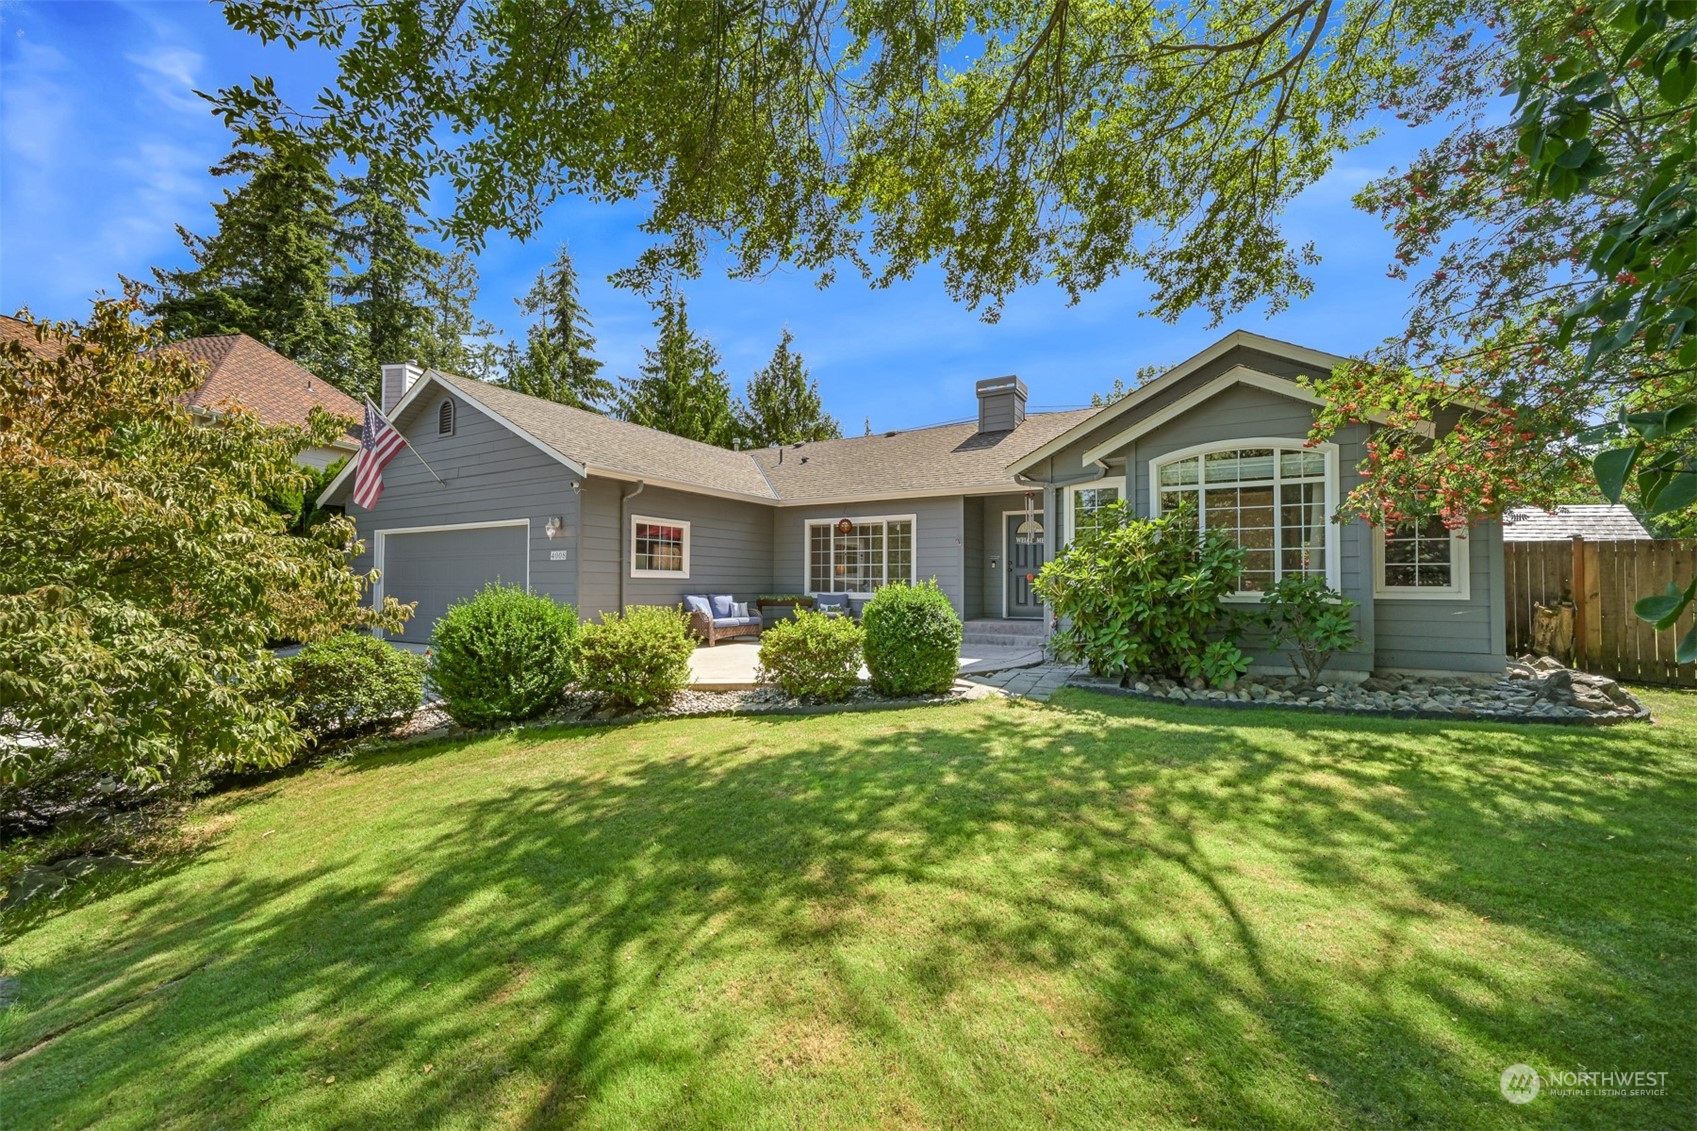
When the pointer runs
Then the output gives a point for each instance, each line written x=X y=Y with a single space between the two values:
x=1003 y=633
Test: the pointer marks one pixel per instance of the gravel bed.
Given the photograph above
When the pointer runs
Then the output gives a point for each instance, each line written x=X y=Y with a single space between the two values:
x=1533 y=690
x=584 y=709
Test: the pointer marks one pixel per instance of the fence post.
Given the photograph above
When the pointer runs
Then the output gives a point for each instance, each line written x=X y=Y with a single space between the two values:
x=1580 y=617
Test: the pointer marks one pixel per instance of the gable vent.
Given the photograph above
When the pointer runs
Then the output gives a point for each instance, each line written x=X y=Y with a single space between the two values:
x=445 y=419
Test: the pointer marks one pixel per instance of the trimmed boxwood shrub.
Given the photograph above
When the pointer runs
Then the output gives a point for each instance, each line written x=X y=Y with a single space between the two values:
x=502 y=655
x=638 y=659
x=912 y=640
x=812 y=656
x=353 y=684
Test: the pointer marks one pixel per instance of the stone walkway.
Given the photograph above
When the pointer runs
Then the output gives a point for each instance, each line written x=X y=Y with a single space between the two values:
x=1037 y=682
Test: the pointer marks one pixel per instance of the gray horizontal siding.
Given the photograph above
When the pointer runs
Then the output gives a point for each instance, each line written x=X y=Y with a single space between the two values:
x=938 y=535
x=730 y=546
x=491 y=475
x=1468 y=636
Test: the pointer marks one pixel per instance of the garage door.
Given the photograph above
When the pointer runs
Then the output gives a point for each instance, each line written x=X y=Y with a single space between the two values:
x=438 y=567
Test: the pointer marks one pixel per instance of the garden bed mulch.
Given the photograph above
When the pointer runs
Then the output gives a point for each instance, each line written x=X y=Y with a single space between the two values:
x=1533 y=690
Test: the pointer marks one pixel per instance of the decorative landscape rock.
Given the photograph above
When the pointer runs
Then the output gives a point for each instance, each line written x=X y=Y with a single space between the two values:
x=37 y=880
x=1532 y=690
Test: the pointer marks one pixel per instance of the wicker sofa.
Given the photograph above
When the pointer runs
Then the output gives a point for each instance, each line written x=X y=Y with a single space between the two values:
x=718 y=616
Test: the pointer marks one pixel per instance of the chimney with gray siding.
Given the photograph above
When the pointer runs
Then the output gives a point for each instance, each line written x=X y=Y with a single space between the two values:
x=1001 y=403
x=397 y=379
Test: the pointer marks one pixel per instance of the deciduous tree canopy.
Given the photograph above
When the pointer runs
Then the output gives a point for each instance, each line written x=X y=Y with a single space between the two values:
x=1007 y=140
x=142 y=572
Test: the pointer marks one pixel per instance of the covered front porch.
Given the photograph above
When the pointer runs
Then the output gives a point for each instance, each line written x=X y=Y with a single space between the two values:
x=986 y=646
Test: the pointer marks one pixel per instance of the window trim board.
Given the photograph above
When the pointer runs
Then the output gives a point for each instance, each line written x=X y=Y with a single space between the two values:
x=1334 y=543
x=688 y=547
x=1069 y=491
x=808 y=524
x=1460 y=587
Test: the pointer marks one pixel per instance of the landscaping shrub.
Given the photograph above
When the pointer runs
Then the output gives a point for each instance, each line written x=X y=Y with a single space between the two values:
x=503 y=655
x=1315 y=619
x=912 y=640
x=638 y=659
x=812 y=656
x=1143 y=596
x=353 y=683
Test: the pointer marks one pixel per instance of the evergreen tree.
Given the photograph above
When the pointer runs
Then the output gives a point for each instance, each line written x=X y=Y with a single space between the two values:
x=269 y=270
x=783 y=405
x=411 y=302
x=681 y=390
x=556 y=362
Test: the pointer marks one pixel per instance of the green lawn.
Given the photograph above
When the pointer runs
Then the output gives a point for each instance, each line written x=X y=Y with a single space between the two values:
x=1090 y=914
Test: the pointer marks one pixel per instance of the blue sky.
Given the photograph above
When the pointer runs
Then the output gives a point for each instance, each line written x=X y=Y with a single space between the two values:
x=104 y=149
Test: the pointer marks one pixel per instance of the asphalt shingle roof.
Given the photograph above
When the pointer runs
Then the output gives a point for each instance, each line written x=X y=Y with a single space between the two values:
x=15 y=330
x=616 y=445
x=1599 y=523
x=944 y=458
x=242 y=371
x=953 y=457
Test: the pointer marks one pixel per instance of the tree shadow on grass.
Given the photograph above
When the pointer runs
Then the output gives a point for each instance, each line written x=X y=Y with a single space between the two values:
x=1144 y=914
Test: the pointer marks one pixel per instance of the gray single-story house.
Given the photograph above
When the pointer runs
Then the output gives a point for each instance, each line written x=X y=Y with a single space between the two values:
x=601 y=513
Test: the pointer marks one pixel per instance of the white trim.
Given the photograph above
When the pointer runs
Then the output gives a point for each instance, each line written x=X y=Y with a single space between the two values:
x=1070 y=490
x=654 y=520
x=431 y=378
x=1288 y=350
x=1007 y=567
x=1460 y=587
x=807 y=548
x=1334 y=539
x=1237 y=375
x=380 y=546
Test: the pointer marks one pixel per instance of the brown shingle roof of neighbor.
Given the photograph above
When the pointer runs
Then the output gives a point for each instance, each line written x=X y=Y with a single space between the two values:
x=605 y=444
x=1599 y=523
x=943 y=458
x=240 y=370
x=16 y=330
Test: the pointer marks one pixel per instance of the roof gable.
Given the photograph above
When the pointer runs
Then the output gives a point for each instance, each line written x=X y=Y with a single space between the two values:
x=1160 y=393
x=242 y=371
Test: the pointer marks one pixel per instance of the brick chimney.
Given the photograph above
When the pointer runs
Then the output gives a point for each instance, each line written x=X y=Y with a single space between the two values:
x=397 y=379
x=1001 y=403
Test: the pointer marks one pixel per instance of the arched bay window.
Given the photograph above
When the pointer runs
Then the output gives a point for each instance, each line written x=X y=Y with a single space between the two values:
x=1274 y=497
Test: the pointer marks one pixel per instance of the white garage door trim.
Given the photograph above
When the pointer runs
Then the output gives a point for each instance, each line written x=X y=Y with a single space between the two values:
x=380 y=543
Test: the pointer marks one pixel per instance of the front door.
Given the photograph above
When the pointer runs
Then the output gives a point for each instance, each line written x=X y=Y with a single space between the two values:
x=1023 y=552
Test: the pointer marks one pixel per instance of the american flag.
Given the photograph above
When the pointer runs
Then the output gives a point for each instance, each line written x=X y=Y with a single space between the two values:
x=378 y=444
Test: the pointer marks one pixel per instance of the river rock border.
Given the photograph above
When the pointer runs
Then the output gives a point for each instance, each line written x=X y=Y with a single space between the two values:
x=1533 y=690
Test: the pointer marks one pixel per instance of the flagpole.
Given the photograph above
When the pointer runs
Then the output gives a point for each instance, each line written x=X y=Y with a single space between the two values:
x=420 y=458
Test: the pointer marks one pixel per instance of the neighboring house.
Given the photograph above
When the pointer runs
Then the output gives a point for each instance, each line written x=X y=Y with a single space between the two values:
x=239 y=370
x=601 y=513
x=242 y=371
x=1602 y=522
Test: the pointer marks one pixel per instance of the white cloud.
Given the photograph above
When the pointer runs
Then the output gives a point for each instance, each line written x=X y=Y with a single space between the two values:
x=168 y=73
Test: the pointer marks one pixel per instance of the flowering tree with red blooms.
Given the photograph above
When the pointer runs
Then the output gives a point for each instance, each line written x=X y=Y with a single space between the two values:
x=1551 y=349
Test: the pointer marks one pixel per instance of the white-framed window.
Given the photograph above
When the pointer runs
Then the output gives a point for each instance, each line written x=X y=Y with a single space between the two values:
x=871 y=552
x=1083 y=500
x=659 y=547
x=1423 y=559
x=1273 y=496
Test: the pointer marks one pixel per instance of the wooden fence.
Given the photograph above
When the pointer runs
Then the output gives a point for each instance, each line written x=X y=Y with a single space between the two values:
x=1600 y=581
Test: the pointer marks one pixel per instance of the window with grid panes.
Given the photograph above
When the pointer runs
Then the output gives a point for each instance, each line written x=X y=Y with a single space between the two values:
x=1271 y=501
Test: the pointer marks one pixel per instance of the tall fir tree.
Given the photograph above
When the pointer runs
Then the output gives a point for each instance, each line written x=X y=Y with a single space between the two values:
x=681 y=389
x=782 y=404
x=411 y=302
x=556 y=363
x=269 y=270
